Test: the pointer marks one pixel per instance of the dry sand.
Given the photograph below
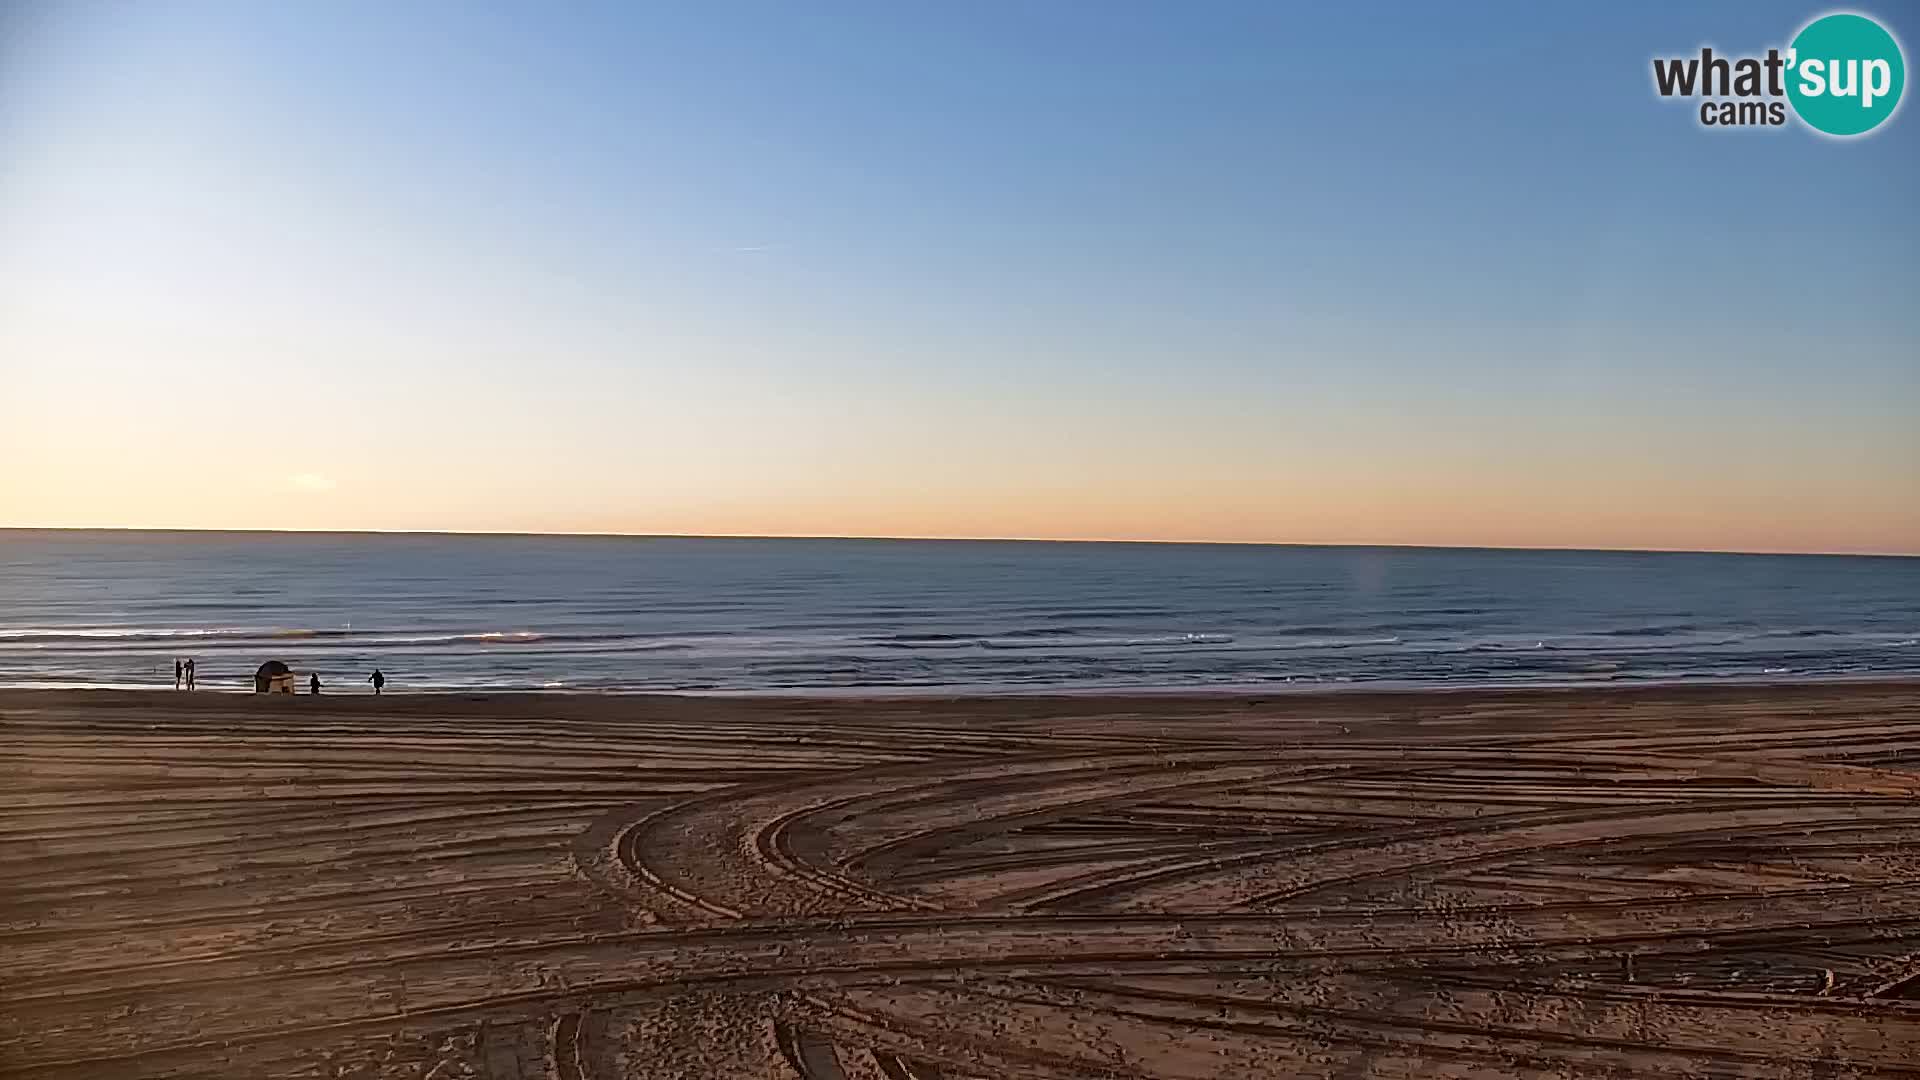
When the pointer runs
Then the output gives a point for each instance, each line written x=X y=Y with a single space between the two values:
x=1672 y=883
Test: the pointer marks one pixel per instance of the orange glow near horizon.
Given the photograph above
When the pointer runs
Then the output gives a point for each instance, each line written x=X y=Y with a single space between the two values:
x=716 y=456
x=1415 y=509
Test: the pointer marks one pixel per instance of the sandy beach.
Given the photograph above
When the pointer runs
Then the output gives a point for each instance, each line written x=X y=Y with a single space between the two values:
x=1652 y=882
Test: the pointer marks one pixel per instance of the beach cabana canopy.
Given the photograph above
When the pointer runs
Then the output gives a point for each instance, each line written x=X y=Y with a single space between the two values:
x=272 y=669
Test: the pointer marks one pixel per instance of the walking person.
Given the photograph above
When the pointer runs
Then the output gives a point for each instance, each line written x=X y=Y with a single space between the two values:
x=189 y=672
x=378 y=680
x=179 y=670
x=313 y=683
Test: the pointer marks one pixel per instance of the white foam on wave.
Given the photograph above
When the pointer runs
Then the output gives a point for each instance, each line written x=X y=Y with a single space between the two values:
x=118 y=633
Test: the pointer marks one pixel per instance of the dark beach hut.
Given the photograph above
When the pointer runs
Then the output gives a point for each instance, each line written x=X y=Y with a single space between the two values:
x=273 y=677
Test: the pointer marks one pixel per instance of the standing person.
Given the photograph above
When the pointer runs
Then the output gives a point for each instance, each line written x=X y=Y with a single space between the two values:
x=313 y=683
x=178 y=671
x=378 y=680
x=189 y=672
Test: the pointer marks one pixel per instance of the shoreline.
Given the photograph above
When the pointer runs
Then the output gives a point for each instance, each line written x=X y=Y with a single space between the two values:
x=1235 y=690
x=964 y=711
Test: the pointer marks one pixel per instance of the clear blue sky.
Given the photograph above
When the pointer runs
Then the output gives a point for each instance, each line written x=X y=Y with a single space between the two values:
x=1395 y=272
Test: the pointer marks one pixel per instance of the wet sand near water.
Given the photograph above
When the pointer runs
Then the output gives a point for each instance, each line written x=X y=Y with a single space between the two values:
x=1674 y=882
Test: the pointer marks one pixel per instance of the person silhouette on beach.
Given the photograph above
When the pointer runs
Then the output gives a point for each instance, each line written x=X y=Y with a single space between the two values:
x=378 y=680
x=313 y=683
x=179 y=670
x=189 y=672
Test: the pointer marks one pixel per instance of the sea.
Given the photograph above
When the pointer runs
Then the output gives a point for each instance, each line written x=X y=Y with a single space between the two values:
x=829 y=616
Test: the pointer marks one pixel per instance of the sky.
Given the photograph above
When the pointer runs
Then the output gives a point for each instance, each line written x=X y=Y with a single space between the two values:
x=1332 y=273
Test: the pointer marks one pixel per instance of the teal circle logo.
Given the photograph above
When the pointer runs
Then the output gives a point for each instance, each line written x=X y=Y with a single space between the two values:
x=1845 y=74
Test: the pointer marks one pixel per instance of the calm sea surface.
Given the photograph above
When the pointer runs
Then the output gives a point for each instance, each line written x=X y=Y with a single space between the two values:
x=578 y=613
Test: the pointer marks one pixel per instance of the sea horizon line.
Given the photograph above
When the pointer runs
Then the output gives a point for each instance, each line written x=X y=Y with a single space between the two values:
x=877 y=538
